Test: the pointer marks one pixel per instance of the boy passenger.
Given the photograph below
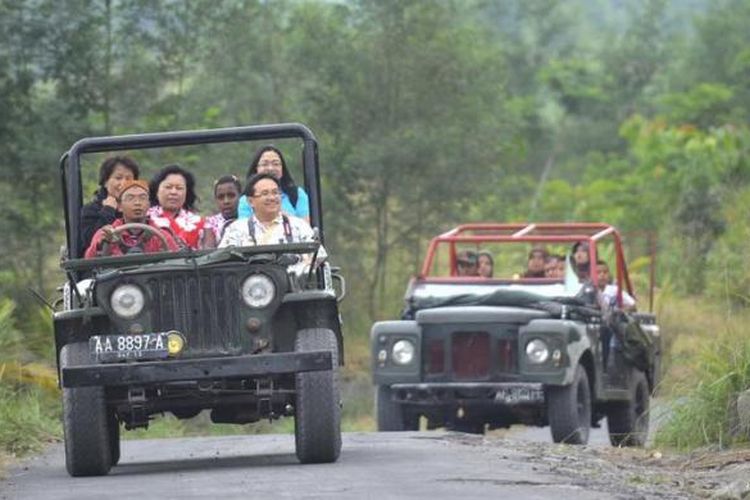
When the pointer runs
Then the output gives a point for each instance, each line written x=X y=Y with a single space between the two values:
x=609 y=291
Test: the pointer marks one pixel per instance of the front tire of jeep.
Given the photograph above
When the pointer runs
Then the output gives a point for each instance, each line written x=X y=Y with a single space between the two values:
x=114 y=437
x=628 y=422
x=88 y=450
x=569 y=410
x=391 y=415
x=317 y=424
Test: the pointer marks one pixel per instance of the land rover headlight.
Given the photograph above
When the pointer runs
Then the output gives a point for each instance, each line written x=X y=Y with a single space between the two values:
x=127 y=301
x=537 y=351
x=403 y=352
x=258 y=290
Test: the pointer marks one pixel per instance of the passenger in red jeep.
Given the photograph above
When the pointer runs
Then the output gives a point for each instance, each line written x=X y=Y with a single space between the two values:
x=466 y=263
x=485 y=264
x=535 y=265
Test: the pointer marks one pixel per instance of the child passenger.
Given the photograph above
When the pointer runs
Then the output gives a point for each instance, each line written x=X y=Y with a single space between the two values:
x=227 y=190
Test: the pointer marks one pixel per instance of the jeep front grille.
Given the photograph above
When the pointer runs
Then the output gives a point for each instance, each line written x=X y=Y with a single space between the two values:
x=470 y=353
x=506 y=355
x=206 y=311
x=435 y=356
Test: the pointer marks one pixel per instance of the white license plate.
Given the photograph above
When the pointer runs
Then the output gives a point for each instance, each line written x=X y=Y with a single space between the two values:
x=519 y=395
x=118 y=347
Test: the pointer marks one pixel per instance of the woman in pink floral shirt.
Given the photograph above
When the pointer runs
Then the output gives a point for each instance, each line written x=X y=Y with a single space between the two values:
x=173 y=203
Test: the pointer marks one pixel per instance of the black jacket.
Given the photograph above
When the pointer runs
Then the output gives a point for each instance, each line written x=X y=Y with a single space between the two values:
x=94 y=216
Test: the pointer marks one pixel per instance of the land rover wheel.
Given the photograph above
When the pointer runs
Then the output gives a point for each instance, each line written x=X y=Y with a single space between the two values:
x=317 y=423
x=391 y=415
x=85 y=421
x=569 y=410
x=628 y=421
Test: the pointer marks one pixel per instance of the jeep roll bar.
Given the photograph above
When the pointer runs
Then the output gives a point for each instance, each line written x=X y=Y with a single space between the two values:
x=70 y=163
x=547 y=232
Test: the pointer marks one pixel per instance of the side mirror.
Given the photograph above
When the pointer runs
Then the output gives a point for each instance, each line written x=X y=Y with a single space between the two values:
x=288 y=259
x=337 y=277
x=588 y=294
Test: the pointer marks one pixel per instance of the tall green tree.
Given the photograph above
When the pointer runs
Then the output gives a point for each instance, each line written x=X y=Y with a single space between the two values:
x=428 y=95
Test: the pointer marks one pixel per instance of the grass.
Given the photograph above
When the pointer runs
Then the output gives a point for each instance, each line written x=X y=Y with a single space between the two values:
x=29 y=399
x=29 y=418
x=709 y=365
x=168 y=426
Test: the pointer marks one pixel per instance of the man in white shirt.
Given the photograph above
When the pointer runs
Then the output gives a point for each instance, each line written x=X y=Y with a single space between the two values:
x=267 y=225
x=609 y=291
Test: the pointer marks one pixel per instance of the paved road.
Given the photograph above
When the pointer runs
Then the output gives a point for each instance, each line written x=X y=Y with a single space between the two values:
x=427 y=465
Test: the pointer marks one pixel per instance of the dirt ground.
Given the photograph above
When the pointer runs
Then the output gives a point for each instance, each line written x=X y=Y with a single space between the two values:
x=648 y=473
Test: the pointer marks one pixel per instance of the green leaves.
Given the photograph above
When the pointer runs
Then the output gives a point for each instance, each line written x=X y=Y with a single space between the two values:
x=703 y=105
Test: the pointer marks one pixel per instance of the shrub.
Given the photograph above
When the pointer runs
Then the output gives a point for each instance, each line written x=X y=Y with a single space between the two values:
x=28 y=419
x=706 y=413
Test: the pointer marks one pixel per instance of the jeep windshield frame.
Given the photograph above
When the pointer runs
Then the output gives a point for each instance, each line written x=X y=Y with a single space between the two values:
x=199 y=258
x=543 y=233
x=70 y=168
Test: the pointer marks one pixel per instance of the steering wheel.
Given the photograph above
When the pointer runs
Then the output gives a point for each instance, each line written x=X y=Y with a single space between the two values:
x=106 y=249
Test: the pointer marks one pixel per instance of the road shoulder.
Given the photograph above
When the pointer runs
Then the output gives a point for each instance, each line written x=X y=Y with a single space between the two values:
x=627 y=471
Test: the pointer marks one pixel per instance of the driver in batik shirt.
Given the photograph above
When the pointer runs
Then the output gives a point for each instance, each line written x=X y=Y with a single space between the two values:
x=133 y=203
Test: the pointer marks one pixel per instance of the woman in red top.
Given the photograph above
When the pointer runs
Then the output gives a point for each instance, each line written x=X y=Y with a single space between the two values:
x=173 y=203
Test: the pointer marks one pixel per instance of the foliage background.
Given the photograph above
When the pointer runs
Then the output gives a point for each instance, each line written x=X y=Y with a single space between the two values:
x=428 y=114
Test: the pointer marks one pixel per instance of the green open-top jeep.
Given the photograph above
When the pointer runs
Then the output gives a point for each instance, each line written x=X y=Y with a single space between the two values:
x=229 y=330
x=561 y=346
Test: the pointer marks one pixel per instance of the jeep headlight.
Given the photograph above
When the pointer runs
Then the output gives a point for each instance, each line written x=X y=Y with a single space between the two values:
x=403 y=352
x=127 y=301
x=258 y=290
x=537 y=351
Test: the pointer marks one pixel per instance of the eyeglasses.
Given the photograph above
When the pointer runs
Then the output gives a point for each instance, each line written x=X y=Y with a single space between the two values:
x=270 y=163
x=265 y=194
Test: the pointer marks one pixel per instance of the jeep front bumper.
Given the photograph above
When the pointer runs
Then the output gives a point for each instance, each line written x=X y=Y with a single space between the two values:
x=469 y=393
x=154 y=372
